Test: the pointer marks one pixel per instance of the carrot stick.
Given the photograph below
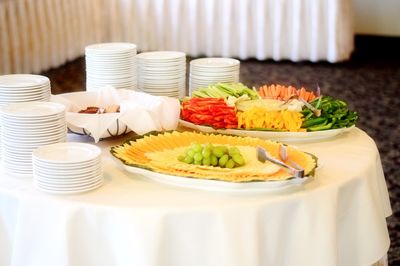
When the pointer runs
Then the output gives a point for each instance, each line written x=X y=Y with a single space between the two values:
x=287 y=94
x=261 y=92
x=267 y=91
x=302 y=90
x=278 y=91
x=307 y=96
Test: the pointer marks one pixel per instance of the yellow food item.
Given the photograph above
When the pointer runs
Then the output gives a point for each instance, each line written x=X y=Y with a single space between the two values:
x=257 y=117
x=159 y=153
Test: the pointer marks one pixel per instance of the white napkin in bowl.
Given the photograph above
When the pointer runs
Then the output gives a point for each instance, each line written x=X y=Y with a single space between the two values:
x=140 y=112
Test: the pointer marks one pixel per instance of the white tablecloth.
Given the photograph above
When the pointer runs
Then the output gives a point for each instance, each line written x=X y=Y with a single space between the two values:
x=37 y=35
x=336 y=219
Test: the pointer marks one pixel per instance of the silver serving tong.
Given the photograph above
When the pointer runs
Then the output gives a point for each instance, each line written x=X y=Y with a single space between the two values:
x=294 y=169
x=316 y=111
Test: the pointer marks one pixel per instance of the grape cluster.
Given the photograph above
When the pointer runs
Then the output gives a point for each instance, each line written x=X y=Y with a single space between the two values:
x=209 y=155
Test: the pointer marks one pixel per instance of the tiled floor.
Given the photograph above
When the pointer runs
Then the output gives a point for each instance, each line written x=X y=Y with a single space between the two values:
x=370 y=82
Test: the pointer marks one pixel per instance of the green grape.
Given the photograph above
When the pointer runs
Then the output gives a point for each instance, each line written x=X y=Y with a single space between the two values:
x=238 y=158
x=206 y=161
x=208 y=146
x=197 y=156
x=197 y=162
x=190 y=153
x=214 y=160
x=224 y=149
x=188 y=159
x=222 y=161
x=206 y=152
x=196 y=147
x=233 y=150
x=181 y=158
x=218 y=151
x=230 y=164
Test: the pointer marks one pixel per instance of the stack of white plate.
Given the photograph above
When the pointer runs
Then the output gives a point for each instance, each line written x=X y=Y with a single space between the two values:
x=111 y=64
x=66 y=168
x=27 y=126
x=23 y=88
x=208 y=71
x=162 y=73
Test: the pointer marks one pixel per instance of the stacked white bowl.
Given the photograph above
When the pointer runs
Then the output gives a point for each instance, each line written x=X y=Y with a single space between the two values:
x=27 y=126
x=66 y=168
x=208 y=71
x=23 y=88
x=111 y=64
x=162 y=73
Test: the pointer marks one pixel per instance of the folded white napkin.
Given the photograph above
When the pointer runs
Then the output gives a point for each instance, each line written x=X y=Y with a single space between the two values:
x=139 y=112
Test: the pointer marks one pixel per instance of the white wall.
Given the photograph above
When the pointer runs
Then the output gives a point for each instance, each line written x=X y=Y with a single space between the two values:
x=377 y=17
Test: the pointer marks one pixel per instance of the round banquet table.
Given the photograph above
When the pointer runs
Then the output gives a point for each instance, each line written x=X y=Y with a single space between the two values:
x=337 y=218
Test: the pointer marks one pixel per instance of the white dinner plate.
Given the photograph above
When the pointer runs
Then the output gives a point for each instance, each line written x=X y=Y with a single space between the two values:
x=112 y=79
x=66 y=167
x=161 y=56
x=20 y=160
x=110 y=48
x=33 y=121
x=15 y=143
x=162 y=90
x=159 y=65
x=67 y=153
x=155 y=78
x=22 y=80
x=6 y=100
x=37 y=129
x=69 y=190
x=111 y=73
x=217 y=62
x=17 y=166
x=67 y=183
x=159 y=61
x=214 y=76
x=32 y=109
x=109 y=82
x=25 y=92
x=272 y=135
x=112 y=57
x=55 y=175
x=128 y=56
x=166 y=94
x=119 y=76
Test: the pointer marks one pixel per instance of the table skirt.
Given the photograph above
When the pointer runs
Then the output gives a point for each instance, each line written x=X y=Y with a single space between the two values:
x=37 y=35
x=42 y=34
x=262 y=29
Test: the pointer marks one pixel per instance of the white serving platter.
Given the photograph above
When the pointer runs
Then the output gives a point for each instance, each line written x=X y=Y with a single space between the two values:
x=272 y=135
x=216 y=185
